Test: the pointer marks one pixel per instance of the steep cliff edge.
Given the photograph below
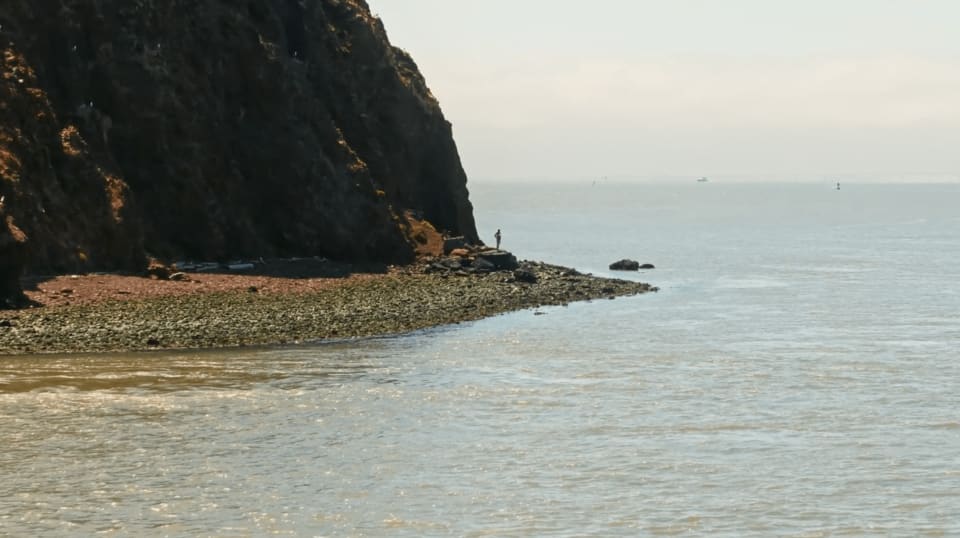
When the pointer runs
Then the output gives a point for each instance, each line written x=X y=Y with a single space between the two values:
x=213 y=130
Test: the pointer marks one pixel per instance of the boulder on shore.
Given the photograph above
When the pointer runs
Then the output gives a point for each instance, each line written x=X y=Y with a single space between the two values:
x=500 y=259
x=525 y=274
x=482 y=266
x=625 y=265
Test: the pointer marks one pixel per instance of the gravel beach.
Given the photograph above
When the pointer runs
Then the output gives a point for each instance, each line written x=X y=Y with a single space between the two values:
x=102 y=313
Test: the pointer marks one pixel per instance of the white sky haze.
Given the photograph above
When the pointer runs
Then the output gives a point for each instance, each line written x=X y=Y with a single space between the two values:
x=745 y=89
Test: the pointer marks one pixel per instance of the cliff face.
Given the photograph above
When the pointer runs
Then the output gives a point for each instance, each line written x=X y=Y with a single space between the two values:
x=212 y=130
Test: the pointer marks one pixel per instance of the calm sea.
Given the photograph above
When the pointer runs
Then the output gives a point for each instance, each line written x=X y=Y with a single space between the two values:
x=798 y=374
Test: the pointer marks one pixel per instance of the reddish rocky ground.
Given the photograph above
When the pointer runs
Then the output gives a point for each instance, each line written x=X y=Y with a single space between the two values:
x=284 y=277
x=289 y=276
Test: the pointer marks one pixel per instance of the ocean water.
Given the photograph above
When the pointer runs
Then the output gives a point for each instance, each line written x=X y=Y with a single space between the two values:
x=798 y=374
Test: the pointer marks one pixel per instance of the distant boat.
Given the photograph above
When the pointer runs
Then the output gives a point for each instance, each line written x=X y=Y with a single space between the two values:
x=702 y=180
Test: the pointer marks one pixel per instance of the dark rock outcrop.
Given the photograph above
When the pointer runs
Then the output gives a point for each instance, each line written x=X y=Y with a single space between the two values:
x=454 y=243
x=625 y=265
x=12 y=255
x=483 y=266
x=478 y=260
x=647 y=266
x=500 y=259
x=217 y=130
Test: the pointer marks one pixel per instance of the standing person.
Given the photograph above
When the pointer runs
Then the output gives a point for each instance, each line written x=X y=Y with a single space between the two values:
x=497 y=237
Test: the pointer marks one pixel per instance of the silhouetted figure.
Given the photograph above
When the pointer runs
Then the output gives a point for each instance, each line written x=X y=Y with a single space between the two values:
x=838 y=185
x=497 y=237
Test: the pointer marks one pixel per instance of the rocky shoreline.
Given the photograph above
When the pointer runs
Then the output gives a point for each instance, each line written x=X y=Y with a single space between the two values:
x=400 y=300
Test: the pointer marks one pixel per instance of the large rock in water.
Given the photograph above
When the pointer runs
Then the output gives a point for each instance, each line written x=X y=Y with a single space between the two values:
x=217 y=130
x=625 y=265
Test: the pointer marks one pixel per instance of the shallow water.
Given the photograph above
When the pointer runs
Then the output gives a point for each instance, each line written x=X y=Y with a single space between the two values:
x=797 y=374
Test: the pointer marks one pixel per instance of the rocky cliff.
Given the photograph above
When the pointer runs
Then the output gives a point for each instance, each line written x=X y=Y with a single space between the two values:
x=214 y=130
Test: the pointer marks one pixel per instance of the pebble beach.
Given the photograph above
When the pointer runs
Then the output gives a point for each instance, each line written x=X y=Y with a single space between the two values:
x=102 y=313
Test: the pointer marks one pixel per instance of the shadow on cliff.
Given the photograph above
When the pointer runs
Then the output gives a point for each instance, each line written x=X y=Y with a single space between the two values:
x=306 y=268
x=288 y=268
x=61 y=290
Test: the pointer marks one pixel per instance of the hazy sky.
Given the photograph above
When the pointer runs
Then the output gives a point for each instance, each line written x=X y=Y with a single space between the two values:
x=752 y=89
